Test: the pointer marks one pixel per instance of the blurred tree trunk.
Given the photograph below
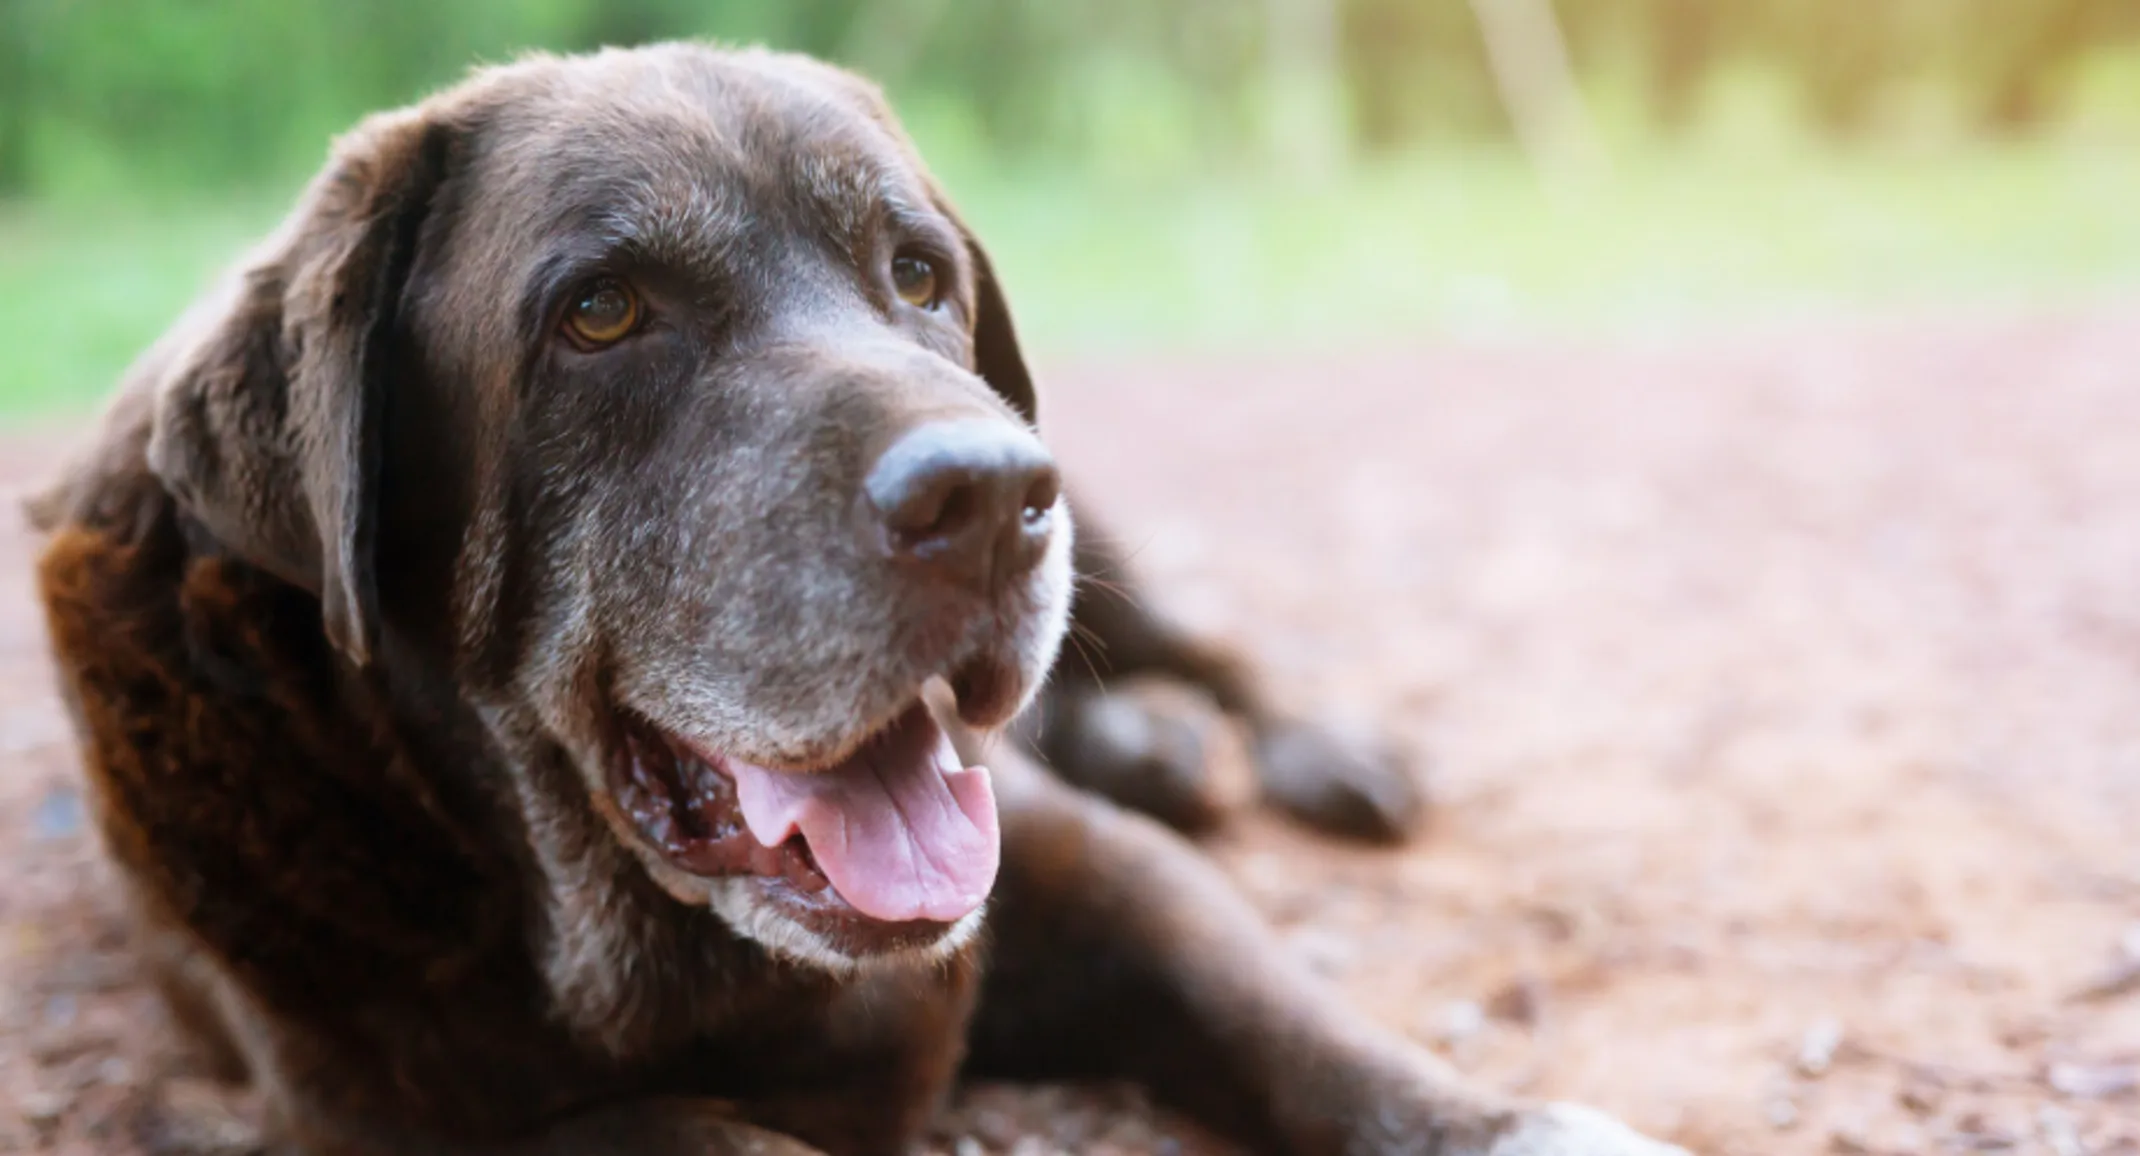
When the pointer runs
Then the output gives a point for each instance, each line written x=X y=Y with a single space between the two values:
x=14 y=97
x=2026 y=58
x=14 y=138
x=1844 y=56
x=1304 y=123
x=1529 y=57
x=1682 y=35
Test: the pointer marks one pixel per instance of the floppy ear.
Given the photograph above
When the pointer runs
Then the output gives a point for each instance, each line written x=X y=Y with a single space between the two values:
x=996 y=356
x=268 y=429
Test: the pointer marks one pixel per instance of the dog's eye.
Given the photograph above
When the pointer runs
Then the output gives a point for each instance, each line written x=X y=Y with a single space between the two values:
x=915 y=278
x=603 y=313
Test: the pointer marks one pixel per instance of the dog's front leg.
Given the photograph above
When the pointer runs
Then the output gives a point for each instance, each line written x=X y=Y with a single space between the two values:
x=1096 y=729
x=1118 y=951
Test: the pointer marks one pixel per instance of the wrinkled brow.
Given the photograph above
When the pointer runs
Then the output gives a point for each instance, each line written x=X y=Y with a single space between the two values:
x=691 y=225
x=854 y=197
x=707 y=227
x=699 y=228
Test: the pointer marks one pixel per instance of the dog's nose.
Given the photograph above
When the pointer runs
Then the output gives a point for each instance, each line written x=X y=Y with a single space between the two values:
x=972 y=500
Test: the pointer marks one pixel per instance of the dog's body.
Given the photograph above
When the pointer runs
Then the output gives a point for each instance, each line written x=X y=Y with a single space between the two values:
x=521 y=626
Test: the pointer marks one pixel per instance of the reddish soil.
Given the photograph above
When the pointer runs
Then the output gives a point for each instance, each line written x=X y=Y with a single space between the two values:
x=1781 y=695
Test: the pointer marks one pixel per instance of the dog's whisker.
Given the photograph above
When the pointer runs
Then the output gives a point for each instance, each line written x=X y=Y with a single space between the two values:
x=1078 y=638
x=1115 y=588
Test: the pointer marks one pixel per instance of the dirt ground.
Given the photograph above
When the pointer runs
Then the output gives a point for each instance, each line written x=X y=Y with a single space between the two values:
x=1780 y=693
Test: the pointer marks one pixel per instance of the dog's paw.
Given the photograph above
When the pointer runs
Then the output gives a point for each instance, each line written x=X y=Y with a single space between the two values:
x=1573 y=1130
x=1343 y=780
x=1152 y=745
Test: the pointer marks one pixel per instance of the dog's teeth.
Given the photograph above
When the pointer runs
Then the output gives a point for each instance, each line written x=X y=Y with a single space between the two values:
x=804 y=874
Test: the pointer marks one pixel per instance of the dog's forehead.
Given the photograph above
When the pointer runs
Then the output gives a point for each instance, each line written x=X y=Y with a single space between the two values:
x=689 y=145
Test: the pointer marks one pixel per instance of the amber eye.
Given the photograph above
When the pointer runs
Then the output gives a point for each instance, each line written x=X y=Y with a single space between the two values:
x=603 y=313
x=915 y=278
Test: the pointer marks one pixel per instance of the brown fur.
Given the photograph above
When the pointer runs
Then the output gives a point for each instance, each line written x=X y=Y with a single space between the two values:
x=349 y=590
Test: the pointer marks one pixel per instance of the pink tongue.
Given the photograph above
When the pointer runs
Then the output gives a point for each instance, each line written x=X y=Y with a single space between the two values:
x=900 y=828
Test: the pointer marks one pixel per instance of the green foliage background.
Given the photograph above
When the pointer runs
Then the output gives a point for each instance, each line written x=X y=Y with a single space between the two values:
x=98 y=93
x=1132 y=161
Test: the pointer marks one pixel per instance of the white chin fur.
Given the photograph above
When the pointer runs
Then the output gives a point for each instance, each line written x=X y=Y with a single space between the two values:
x=748 y=915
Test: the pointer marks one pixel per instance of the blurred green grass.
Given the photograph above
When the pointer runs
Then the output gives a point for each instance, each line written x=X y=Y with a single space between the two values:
x=1454 y=241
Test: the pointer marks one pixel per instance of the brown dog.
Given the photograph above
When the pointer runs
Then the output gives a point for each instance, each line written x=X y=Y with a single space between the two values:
x=499 y=622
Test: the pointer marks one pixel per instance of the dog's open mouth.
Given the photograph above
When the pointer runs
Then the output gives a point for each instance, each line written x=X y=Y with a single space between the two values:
x=898 y=832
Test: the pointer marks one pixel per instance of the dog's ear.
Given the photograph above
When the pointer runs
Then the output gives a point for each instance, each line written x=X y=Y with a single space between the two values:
x=996 y=356
x=268 y=429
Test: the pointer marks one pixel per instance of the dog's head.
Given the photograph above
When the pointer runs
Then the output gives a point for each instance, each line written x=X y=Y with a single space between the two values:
x=660 y=398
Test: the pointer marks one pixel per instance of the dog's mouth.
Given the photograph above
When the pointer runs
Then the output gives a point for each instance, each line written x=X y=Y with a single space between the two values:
x=896 y=833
